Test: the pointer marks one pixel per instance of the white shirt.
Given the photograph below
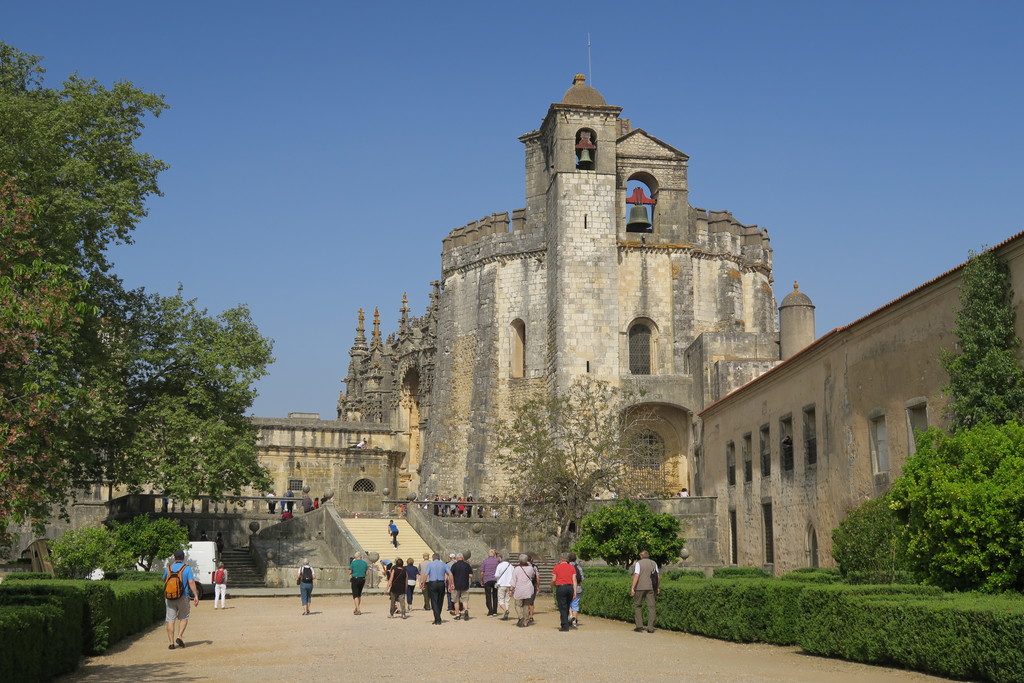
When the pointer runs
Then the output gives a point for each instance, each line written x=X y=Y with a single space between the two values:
x=503 y=573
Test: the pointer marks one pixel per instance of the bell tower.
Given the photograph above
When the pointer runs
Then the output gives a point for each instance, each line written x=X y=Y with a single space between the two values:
x=571 y=199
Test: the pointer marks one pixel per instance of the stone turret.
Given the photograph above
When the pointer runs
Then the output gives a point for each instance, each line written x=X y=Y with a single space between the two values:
x=796 y=323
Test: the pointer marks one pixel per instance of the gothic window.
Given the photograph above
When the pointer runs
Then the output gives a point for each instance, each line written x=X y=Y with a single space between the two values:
x=586 y=150
x=364 y=486
x=748 y=467
x=730 y=463
x=733 y=545
x=650 y=450
x=812 y=547
x=647 y=474
x=518 y=348
x=640 y=349
x=295 y=484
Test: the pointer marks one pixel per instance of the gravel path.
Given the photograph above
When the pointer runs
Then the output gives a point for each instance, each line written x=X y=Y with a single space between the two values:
x=267 y=639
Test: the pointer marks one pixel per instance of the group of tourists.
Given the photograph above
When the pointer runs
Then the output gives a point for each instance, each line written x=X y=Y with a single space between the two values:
x=460 y=506
x=288 y=506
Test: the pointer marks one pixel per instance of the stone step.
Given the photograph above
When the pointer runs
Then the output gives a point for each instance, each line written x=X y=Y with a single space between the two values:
x=372 y=536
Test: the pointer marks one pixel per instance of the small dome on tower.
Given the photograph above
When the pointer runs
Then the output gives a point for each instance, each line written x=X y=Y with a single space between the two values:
x=796 y=298
x=581 y=93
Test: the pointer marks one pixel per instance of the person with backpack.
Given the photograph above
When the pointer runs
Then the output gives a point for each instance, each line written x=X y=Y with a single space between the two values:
x=220 y=585
x=393 y=531
x=305 y=579
x=179 y=588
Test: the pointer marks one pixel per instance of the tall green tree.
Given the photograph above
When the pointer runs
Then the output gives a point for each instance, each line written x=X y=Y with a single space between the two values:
x=869 y=545
x=132 y=388
x=961 y=501
x=77 y=552
x=986 y=383
x=562 y=450
x=618 y=533
x=39 y=313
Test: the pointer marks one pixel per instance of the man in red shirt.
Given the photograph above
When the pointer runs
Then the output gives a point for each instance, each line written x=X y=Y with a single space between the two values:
x=563 y=583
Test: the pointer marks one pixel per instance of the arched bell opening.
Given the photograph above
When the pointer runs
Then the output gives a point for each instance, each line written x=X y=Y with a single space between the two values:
x=586 y=149
x=641 y=196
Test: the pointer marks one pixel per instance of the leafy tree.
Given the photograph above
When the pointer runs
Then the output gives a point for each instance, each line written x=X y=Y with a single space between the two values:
x=100 y=383
x=143 y=540
x=184 y=382
x=562 y=450
x=961 y=499
x=38 y=314
x=618 y=533
x=986 y=383
x=869 y=543
x=79 y=551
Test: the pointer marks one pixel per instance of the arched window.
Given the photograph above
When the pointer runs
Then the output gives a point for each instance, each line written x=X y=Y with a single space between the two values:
x=640 y=349
x=364 y=486
x=518 y=348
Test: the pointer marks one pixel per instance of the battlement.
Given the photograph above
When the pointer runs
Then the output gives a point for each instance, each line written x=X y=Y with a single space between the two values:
x=491 y=236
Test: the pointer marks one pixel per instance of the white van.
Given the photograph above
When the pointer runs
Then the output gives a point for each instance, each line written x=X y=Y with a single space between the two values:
x=202 y=557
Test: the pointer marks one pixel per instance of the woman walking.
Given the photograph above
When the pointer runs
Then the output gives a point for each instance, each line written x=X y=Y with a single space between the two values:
x=220 y=585
x=412 y=573
x=305 y=580
x=397 y=586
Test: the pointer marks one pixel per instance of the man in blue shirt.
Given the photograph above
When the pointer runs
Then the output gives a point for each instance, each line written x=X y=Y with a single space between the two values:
x=179 y=608
x=438 y=579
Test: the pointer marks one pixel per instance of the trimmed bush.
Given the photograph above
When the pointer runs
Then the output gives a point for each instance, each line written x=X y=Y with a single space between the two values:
x=140 y=576
x=27 y=576
x=33 y=642
x=676 y=574
x=741 y=573
x=962 y=636
x=813 y=575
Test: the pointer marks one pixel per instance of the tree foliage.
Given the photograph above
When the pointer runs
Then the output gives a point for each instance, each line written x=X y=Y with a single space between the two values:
x=986 y=383
x=97 y=383
x=869 y=543
x=144 y=540
x=562 y=450
x=961 y=499
x=617 y=534
x=38 y=314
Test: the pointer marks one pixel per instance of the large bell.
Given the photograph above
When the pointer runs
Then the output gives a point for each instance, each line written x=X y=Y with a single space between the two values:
x=585 y=160
x=638 y=221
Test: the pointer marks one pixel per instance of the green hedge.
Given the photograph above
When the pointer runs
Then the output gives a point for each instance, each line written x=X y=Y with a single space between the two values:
x=954 y=635
x=27 y=576
x=35 y=638
x=910 y=626
x=809 y=575
x=110 y=610
x=741 y=573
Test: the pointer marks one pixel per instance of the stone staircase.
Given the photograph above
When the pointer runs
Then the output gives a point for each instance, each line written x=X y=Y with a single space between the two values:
x=372 y=536
x=242 y=570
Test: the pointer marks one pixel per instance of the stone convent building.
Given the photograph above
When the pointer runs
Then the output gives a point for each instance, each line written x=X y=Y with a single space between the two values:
x=608 y=271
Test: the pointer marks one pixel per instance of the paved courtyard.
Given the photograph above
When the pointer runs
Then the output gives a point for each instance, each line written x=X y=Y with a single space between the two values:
x=267 y=639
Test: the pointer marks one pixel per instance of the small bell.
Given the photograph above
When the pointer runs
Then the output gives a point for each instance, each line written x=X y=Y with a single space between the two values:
x=638 y=221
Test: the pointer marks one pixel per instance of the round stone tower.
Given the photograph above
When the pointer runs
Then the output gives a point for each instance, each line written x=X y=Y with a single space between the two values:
x=796 y=323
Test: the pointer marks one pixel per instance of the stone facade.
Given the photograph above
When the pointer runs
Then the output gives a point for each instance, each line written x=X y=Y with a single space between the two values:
x=849 y=402
x=565 y=287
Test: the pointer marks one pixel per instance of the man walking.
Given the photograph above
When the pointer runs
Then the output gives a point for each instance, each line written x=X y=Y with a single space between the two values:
x=645 y=586
x=489 y=581
x=462 y=574
x=357 y=577
x=503 y=574
x=437 y=578
x=180 y=583
x=393 y=531
x=421 y=567
x=563 y=583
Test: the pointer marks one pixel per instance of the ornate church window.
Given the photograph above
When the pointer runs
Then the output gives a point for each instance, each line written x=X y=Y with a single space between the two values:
x=640 y=349
x=364 y=486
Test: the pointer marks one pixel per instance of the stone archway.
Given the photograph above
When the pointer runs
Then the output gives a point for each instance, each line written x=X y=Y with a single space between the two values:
x=660 y=436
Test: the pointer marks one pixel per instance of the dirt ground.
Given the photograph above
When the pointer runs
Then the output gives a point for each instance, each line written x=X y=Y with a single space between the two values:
x=267 y=639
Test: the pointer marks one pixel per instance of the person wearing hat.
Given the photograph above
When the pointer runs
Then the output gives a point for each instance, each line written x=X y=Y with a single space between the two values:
x=178 y=609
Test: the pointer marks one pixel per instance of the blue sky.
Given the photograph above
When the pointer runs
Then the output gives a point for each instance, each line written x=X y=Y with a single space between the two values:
x=320 y=151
